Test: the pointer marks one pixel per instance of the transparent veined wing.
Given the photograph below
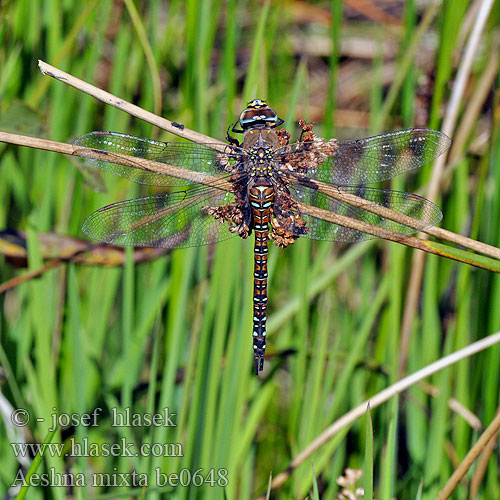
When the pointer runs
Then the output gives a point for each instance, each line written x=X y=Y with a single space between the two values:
x=364 y=161
x=194 y=157
x=171 y=220
x=420 y=209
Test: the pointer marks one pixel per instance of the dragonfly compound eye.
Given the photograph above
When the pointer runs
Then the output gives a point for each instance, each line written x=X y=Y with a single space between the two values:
x=255 y=117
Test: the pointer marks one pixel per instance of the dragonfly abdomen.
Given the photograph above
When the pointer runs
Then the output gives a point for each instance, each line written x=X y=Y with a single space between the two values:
x=261 y=197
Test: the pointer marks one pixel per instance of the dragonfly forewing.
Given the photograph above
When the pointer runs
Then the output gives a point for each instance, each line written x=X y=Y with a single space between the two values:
x=194 y=157
x=370 y=160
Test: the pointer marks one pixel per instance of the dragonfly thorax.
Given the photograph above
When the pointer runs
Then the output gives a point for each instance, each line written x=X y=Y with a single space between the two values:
x=260 y=138
x=260 y=162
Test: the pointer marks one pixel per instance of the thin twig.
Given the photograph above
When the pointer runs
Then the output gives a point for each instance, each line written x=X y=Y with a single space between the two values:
x=473 y=108
x=7 y=285
x=464 y=241
x=129 y=161
x=376 y=231
x=453 y=107
x=449 y=121
x=18 y=280
x=178 y=129
x=482 y=464
x=455 y=406
x=402 y=385
x=469 y=459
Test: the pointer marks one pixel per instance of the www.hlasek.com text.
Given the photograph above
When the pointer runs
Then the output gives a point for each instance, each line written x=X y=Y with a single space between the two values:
x=86 y=448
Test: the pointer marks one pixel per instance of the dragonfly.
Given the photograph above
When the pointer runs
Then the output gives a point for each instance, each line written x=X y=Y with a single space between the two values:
x=260 y=185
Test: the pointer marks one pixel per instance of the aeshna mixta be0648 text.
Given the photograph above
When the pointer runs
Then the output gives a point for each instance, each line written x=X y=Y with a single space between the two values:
x=260 y=186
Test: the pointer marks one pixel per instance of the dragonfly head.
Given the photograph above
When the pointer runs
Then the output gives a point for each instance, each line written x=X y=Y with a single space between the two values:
x=259 y=115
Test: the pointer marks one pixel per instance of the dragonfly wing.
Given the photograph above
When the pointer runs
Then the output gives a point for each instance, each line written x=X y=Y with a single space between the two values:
x=172 y=220
x=194 y=157
x=408 y=204
x=364 y=161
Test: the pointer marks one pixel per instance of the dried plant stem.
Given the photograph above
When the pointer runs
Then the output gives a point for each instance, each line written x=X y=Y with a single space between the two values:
x=463 y=241
x=209 y=180
x=455 y=406
x=387 y=213
x=458 y=90
x=449 y=121
x=35 y=273
x=473 y=108
x=490 y=432
x=383 y=396
x=12 y=283
x=129 y=108
x=482 y=464
x=129 y=161
x=37 y=143
x=376 y=231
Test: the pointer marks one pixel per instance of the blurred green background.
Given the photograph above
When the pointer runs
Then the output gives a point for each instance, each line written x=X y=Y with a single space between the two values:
x=176 y=332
